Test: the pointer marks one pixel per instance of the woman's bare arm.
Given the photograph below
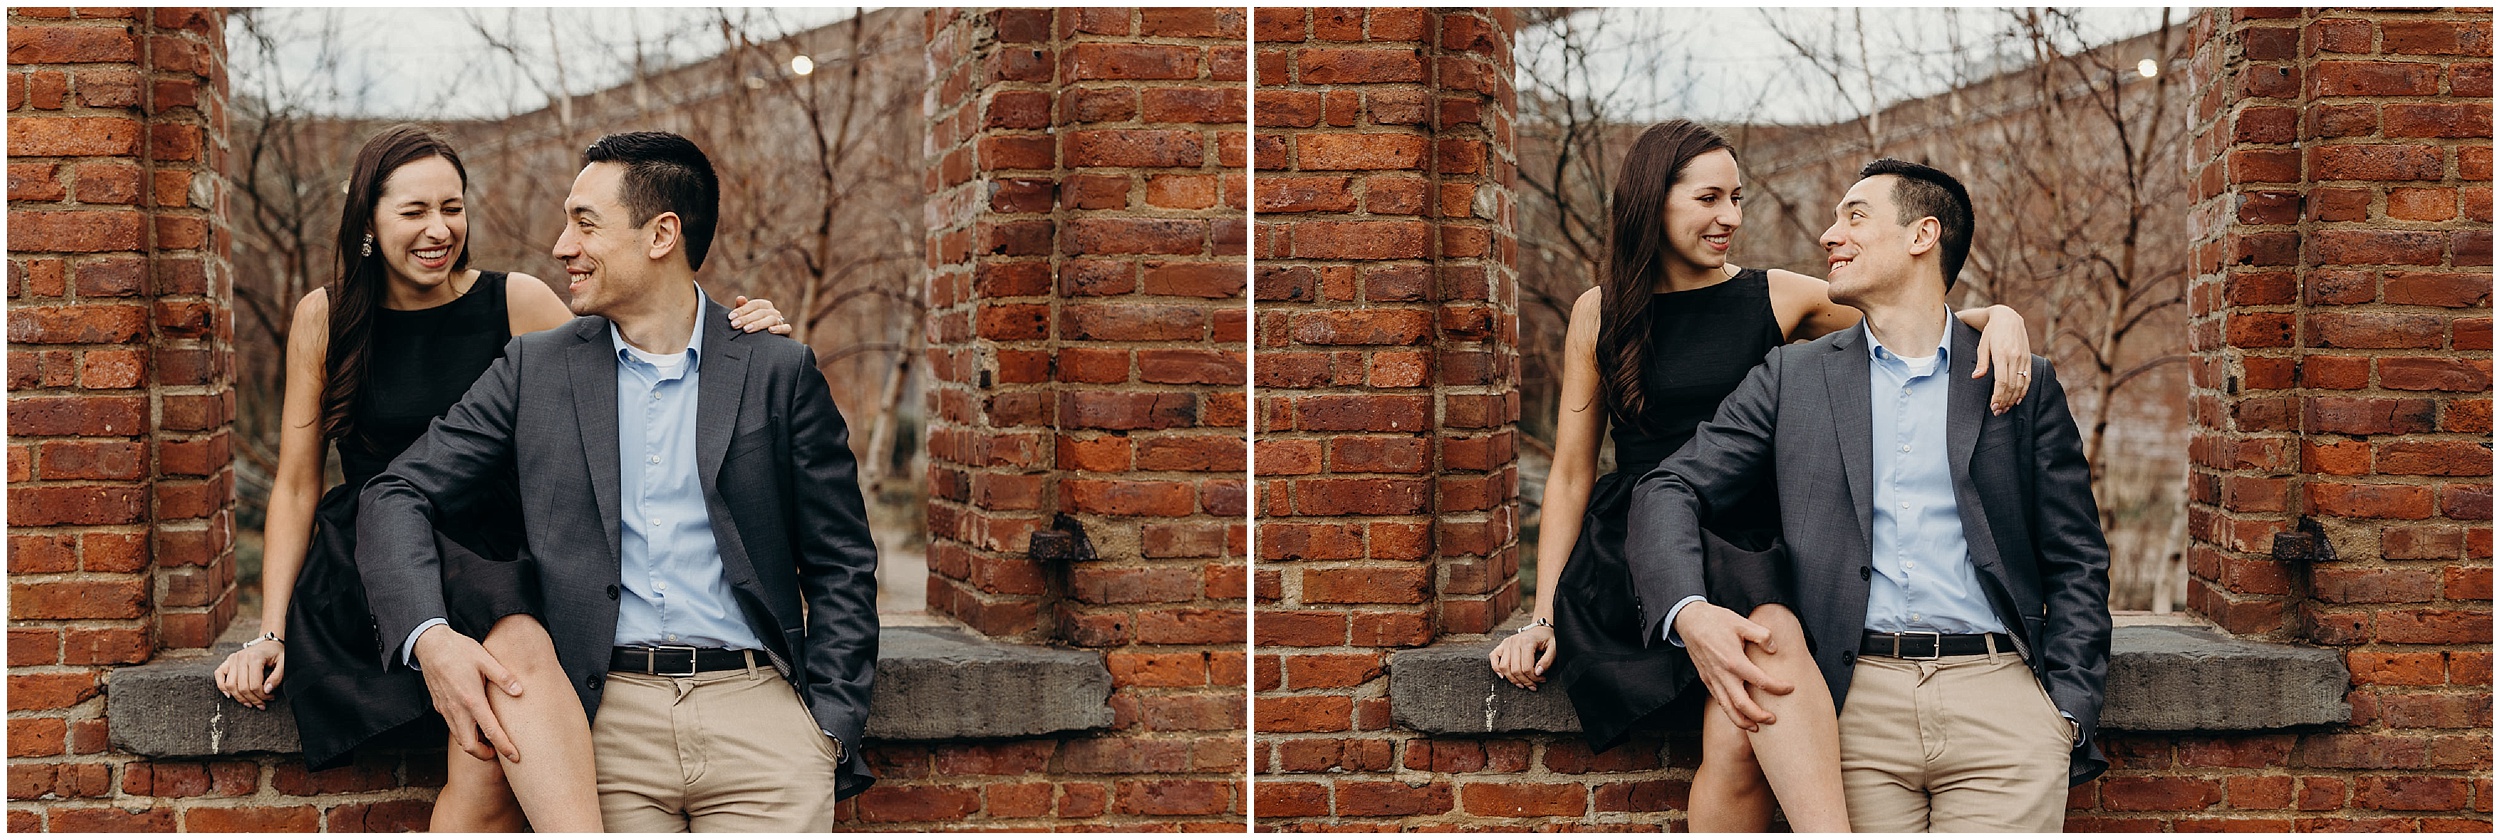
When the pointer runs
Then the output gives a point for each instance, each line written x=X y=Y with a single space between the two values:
x=302 y=455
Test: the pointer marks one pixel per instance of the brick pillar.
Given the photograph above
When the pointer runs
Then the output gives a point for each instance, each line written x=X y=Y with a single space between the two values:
x=2340 y=492
x=121 y=488
x=1387 y=376
x=1086 y=346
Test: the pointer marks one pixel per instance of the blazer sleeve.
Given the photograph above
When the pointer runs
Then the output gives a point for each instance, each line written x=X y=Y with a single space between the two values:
x=837 y=562
x=1727 y=456
x=466 y=448
x=2073 y=558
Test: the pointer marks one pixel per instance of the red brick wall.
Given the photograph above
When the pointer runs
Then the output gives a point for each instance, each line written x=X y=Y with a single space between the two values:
x=121 y=485
x=2341 y=314
x=1387 y=376
x=1087 y=356
x=2374 y=333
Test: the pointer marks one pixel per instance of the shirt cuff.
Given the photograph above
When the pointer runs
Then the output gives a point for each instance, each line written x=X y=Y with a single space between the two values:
x=1674 y=611
x=408 y=649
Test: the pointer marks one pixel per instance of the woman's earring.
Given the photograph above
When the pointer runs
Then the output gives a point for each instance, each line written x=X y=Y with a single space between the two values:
x=368 y=249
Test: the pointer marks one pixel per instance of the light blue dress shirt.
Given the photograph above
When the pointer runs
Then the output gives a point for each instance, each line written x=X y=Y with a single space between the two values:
x=675 y=593
x=1924 y=580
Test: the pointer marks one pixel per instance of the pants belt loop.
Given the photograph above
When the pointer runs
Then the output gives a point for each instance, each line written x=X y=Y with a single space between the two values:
x=749 y=656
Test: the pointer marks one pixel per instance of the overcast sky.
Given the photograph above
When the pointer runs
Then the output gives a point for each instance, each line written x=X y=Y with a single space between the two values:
x=1738 y=64
x=461 y=63
x=1718 y=64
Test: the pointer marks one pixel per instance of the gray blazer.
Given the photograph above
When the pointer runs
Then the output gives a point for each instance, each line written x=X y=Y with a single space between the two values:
x=2025 y=494
x=777 y=476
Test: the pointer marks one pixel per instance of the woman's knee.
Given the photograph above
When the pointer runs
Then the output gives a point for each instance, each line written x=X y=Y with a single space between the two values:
x=521 y=644
x=1788 y=635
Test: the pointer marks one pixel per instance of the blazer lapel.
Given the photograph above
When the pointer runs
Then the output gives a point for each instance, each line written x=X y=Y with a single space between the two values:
x=718 y=392
x=1853 y=419
x=1966 y=414
x=1966 y=399
x=594 y=406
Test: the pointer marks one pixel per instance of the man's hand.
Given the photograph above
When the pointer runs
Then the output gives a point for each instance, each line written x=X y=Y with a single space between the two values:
x=1716 y=637
x=456 y=670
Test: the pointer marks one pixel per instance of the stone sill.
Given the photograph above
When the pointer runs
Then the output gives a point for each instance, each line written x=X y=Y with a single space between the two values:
x=2164 y=676
x=933 y=684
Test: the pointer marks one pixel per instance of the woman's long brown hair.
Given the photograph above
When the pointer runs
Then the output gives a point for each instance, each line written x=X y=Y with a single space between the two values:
x=357 y=292
x=1635 y=261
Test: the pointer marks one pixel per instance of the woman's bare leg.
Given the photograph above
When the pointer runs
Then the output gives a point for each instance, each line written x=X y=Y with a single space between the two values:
x=1800 y=754
x=475 y=798
x=1729 y=794
x=555 y=781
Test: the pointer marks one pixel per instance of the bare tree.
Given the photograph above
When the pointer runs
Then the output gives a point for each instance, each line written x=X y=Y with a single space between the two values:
x=1588 y=78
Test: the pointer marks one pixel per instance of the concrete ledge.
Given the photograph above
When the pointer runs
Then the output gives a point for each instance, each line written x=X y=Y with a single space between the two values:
x=2182 y=679
x=933 y=684
x=2161 y=679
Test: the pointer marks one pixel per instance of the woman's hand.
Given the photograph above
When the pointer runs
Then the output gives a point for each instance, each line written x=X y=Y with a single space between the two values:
x=757 y=315
x=2005 y=347
x=1523 y=658
x=250 y=675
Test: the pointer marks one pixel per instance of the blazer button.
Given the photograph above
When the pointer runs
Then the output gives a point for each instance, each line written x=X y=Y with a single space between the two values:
x=1864 y=573
x=591 y=680
x=612 y=592
x=1848 y=657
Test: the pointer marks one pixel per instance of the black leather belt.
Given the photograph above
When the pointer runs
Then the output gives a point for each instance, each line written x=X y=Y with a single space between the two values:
x=1917 y=645
x=676 y=661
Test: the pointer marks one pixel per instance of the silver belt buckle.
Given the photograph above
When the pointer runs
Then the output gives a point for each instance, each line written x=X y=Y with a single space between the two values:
x=1934 y=652
x=651 y=660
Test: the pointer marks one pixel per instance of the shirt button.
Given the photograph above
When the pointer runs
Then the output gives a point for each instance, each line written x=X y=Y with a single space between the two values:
x=662 y=587
x=1905 y=505
x=1910 y=565
x=655 y=459
x=1905 y=447
x=655 y=523
x=672 y=637
x=1913 y=617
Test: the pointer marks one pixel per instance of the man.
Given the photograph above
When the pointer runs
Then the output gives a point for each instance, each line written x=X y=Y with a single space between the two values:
x=1950 y=563
x=694 y=512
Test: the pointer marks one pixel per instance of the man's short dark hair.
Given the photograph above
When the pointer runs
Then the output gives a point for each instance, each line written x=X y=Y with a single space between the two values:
x=1921 y=191
x=665 y=173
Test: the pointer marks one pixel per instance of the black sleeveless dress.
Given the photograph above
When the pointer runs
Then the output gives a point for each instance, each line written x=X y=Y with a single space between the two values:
x=1702 y=343
x=420 y=363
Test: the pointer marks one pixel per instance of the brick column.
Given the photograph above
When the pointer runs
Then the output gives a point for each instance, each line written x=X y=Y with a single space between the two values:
x=121 y=489
x=2340 y=492
x=1087 y=440
x=1387 y=375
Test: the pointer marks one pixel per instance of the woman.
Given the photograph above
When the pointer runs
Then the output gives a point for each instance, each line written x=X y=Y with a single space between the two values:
x=373 y=358
x=1652 y=352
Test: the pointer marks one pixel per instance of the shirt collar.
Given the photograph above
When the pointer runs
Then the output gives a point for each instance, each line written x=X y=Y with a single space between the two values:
x=1944 y=340
x=694 y=343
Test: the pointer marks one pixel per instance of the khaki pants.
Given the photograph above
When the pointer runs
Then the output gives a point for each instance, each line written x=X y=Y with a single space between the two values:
x=1962 y=743
x=723 y=751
